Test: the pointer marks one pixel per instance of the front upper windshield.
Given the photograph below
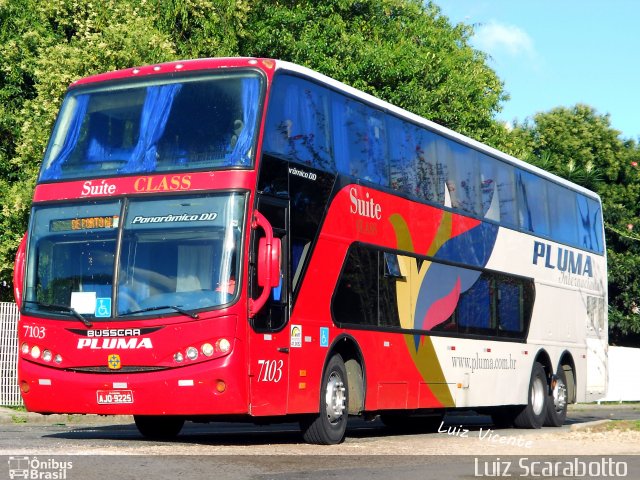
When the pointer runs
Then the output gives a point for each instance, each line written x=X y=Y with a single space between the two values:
x=201 y=122
x=175 y=254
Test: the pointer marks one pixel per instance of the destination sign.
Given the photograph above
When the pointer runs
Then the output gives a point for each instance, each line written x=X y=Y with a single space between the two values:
x=85 y=223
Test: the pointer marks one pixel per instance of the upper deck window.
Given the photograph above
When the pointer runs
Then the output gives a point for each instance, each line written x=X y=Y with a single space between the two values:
x=201 y=122
x=312 y=124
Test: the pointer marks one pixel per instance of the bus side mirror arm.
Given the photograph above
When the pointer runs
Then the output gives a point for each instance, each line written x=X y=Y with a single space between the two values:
x=18 y=271
x=268 y=263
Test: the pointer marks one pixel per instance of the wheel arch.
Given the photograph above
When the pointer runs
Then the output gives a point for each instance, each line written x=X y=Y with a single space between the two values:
x=567 y=364
x=347 y=347
x=543 y=358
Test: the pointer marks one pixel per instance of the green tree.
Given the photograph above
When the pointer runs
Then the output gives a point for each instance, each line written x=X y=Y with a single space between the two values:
x=203 y=28
x=576 y=141
x=403 y=51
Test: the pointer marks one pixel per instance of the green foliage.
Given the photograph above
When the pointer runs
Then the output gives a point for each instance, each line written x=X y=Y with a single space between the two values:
x=577 y=141
x=399 y=50
x=203 y=28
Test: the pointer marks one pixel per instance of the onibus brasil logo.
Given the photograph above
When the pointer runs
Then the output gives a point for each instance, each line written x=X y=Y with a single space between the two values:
x=35 y=468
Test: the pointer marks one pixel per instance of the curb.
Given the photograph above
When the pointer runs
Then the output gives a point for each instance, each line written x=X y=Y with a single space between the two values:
x=576 y=427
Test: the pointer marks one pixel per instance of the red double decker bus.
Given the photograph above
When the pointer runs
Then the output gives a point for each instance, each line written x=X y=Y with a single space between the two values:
x=248 y=239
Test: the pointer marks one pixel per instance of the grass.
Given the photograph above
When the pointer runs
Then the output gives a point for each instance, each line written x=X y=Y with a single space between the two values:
x=618 y=426
x=18 y=419
x=626 y=425
x=20 y=408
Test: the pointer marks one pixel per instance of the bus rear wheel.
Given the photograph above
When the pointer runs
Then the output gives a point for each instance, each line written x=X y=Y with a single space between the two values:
x=534 y=414
x=159 y=427
x=330 y=425
x=558 y=400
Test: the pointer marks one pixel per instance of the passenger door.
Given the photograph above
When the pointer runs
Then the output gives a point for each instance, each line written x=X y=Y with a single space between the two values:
x=269 y=338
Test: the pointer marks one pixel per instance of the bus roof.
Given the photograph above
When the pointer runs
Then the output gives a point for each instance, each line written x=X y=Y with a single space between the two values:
x=178 y=66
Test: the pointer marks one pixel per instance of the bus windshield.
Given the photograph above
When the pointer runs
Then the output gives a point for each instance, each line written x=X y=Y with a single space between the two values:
x=176 y=254
x=202 y=122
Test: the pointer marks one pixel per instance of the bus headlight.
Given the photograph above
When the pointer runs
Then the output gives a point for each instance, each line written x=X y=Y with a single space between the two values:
x=207 y=349
x=223 y=345
x=192 y=353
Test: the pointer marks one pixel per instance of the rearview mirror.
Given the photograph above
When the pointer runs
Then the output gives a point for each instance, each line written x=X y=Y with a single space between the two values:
x=269 y=263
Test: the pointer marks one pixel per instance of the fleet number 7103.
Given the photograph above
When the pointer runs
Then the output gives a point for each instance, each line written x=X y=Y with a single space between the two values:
x=32 y=331
x=270 y=370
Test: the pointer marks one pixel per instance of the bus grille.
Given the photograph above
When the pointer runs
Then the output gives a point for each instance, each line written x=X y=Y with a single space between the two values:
x=128 y=369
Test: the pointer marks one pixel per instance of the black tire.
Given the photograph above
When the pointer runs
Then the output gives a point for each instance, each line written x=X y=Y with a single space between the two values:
x=558 y=400
x=534 y=414
x=330 y=425
x=159 y=427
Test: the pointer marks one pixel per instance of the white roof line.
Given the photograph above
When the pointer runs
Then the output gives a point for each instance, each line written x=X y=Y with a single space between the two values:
x=283 y=65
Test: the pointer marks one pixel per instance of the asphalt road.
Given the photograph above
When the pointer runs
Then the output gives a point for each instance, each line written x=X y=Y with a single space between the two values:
x=100 y=449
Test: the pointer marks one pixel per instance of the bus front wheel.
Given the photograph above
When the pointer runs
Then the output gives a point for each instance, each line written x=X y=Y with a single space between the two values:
x=534 y=414
x=159 y=427
x=330 y=425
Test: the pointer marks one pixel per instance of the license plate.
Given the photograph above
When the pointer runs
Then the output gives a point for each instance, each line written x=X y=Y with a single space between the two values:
x=110 y=397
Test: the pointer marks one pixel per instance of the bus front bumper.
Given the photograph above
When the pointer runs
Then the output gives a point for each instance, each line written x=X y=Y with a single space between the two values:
x=208 y=388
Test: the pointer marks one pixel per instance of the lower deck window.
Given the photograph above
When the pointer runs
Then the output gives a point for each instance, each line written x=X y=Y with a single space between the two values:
x=376 y=289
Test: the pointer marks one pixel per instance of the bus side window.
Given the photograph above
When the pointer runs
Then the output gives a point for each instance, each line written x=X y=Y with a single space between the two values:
x=388 y=278
x=474 y=308
x=532 y=201
x=299 y=252
x=563 y=216
x=356 y=297
x=510 y=314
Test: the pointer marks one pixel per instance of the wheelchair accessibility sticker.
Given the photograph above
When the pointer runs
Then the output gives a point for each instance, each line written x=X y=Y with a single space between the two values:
x=103 y=307
x=324 y=337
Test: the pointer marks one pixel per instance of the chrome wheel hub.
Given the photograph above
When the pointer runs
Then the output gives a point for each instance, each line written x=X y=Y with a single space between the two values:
x=538 y=396
x=335 y=398
x=559 y=394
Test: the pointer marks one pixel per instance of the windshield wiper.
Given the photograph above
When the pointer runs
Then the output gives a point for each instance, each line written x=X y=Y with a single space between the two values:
x=63 y=308
x=171 y=307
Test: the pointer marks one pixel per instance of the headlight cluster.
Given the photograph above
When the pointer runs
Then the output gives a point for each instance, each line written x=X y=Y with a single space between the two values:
x=37 y=353
x=221 y=347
